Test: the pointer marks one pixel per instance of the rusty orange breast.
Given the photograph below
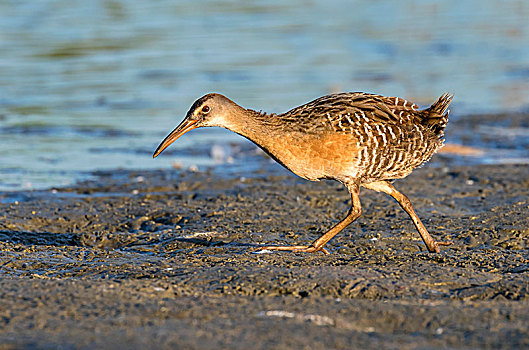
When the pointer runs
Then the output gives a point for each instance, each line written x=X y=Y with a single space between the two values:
x=313 y=157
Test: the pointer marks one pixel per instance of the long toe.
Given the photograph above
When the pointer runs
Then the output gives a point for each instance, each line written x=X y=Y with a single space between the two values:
x=433 y=247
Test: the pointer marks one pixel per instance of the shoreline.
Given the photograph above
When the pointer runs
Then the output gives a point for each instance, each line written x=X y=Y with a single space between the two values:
x=472 y=139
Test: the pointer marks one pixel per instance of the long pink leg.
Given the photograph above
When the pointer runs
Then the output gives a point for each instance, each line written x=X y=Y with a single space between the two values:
x=318 y=245
x=386 y=187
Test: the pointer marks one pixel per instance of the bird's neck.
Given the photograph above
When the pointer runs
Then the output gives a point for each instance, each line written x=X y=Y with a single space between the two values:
x=258 y=127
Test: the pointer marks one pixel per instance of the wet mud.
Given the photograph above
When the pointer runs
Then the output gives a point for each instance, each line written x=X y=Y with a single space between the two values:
x=166 y=259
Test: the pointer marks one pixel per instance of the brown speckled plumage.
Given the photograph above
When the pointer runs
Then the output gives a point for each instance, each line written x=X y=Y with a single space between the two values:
x=356 y=138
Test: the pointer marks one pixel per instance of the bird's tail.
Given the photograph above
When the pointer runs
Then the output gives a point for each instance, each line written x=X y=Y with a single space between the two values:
x=437 y=116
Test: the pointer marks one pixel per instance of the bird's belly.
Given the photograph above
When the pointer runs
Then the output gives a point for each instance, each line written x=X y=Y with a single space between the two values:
x=342 y=157
x=333 y=156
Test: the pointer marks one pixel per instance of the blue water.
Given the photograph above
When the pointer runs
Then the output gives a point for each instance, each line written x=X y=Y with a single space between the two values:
x=87 y=85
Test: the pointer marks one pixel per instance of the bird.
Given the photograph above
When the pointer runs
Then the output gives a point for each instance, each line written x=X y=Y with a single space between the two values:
x=358 y=139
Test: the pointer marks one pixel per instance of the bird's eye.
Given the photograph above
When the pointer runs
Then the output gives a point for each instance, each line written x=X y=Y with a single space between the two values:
x=205 y=109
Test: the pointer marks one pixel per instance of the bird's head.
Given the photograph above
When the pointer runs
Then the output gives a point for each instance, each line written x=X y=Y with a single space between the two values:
x=209 y=110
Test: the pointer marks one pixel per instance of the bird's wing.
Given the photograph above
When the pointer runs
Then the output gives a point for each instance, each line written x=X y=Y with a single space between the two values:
x=345 y=111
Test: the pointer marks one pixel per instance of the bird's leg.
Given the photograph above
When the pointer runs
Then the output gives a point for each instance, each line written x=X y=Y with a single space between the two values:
x=318 y=245
x=386 y=187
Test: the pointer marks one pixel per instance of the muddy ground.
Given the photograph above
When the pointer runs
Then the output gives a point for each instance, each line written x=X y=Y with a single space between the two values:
x=166 y=259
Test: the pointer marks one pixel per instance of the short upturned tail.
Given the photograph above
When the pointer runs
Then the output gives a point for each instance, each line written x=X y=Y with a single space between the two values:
x=437 y=114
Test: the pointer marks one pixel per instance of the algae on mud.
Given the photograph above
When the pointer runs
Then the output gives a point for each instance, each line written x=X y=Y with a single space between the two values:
x=165 y=259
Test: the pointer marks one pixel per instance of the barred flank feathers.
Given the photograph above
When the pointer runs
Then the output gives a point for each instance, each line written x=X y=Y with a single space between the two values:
x=437 y=118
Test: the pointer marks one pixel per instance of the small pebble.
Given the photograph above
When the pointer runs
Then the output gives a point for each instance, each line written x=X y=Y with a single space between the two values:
x=264 y=251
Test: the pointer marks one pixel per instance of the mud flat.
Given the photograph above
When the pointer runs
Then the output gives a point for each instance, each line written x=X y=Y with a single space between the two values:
x=166 y=259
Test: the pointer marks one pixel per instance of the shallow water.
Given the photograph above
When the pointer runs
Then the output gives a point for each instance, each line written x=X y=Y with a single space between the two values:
x=88 y=85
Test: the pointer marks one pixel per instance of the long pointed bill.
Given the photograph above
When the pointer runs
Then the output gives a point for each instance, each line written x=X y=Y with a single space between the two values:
x=185 y=126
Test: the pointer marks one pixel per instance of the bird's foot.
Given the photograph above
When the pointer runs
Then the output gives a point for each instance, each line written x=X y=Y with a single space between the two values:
x=434 y=248
x=296 y=249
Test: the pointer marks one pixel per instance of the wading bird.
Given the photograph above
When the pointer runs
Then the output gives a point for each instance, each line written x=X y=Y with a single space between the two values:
x=358 y=139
